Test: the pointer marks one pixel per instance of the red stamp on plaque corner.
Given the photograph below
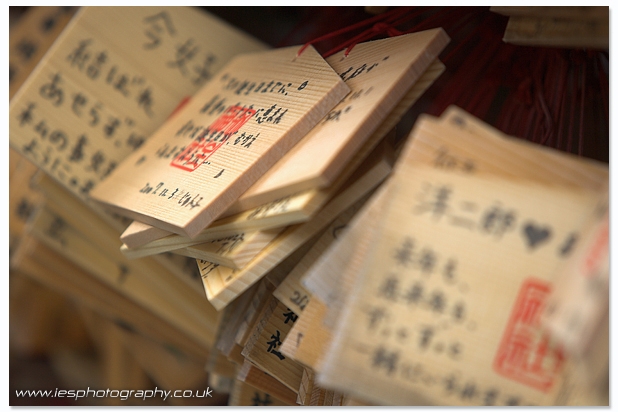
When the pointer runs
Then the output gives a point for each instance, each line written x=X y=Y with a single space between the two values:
x=525 y=353
x=215 y=136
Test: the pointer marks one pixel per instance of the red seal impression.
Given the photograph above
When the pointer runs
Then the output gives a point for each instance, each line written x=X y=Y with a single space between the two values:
x=198 y=152
x=525 y=353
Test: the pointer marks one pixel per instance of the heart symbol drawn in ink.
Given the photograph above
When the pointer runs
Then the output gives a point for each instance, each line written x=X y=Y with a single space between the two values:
x=536 y=234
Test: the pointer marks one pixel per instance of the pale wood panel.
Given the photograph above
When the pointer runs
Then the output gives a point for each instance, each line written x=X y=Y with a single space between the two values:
x=450 y=150
x=233 y=252
x=478 y=282
x=276 y=275
x=253 y=313
x=218 y=363
x=558 y=32
x=513 y=157
x=309 y=339
x=153 y=38
x=580 y=299
x=277 y=214
x=29 y=39
x=244 y=394
x=333 y=275
x=574 y=181
x=231 y=318
x=23 y=199
x=306 y=385
x=325 y=397
x=103 y=232
x=91 y=101
x=36 y=260
x=183 y=268
x=222 y=285
x=577 y=310
x=14 y=160
x=379 y=74
x=209 y=173
x=107 y=223
x=355 y=402
x=290 y=292
x=557 y=26
x=313 y=395
x=190 y=315
x=262 y=348
x=120 y=369
x=331 y=279
x=138 y=233
x=221 y=384
x=166 y=280
x=259 y=379
x=169 y=370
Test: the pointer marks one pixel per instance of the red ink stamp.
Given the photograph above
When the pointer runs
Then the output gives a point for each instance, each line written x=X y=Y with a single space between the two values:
x=525 y=353
x=215 y=136
x=599 y=249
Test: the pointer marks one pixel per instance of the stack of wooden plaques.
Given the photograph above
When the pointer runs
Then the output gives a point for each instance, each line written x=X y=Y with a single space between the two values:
x=123 y=120
x=42 y=324
x=240 y=218
x=436 y=291
x=219 y=183
x=84 y=94
x=201 y=187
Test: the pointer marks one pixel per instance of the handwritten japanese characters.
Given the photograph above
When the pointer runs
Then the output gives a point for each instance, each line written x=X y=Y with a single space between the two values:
x=263 y=347
x=31 y=37
x=138 y=233
x=447 y=308
x=379 y=73
x=103 y=89
x=230 y=132
x=448 y=282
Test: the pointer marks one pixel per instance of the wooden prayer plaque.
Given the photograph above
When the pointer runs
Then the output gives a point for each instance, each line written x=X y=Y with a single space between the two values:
x=139 y=234
x=233 y=130
x=379 y=74
x=262 y=348
x=459 y=277
x=112 y=77
x=223 y=285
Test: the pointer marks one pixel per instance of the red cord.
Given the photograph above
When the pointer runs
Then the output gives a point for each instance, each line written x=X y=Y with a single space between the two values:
x=358 y=25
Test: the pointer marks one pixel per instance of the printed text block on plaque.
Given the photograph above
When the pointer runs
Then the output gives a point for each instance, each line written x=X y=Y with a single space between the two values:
x=233 y=130
x=449 y=306
x=110 y=80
